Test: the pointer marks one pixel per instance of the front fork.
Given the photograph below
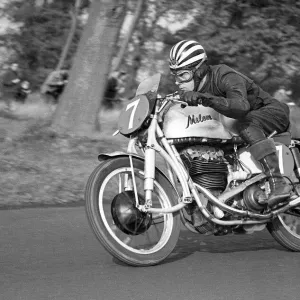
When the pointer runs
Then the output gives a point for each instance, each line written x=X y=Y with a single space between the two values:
x=149 y=176
x=169 y=156
x=149 y=171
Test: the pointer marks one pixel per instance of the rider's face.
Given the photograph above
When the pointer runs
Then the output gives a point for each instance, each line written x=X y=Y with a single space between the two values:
x=186 y=86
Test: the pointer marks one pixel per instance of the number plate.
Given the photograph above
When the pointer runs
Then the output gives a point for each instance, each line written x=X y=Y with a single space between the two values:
x=133 y=115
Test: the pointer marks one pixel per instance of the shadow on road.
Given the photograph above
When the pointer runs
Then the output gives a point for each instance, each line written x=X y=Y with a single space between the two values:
x=190 y=243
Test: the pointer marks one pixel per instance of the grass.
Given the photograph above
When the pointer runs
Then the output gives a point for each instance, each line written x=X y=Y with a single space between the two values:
x=39 y=168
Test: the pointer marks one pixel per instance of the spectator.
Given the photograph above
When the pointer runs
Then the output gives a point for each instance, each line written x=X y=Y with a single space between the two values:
x=10 y=85
x=54 y=85
x=114 y=89
x=23 y=91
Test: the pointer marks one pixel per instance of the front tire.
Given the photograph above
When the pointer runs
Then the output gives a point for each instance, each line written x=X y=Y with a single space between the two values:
x=135 y=250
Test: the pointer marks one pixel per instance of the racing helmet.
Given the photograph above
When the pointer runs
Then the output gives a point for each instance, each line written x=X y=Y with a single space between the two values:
x=187 y=54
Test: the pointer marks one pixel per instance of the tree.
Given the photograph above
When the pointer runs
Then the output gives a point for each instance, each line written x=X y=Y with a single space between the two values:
x=74 y=16
x=259 y=38
x=128 y=36
x=74 y=12
x=39 y=41
x=141 y=53
x=77 y=110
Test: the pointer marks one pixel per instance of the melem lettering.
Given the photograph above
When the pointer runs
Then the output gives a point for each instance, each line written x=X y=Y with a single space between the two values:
x=192 y=119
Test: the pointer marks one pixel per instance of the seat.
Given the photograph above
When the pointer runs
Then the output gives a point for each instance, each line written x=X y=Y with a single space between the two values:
x=283 y=138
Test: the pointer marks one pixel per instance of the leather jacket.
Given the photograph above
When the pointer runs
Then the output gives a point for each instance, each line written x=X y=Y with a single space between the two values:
x=234 y=94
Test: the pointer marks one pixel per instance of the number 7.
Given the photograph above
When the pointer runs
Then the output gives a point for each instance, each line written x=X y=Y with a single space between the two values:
x=133 y=104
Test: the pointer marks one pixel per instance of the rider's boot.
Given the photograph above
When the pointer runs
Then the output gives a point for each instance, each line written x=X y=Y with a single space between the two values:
x=280 y=189
x=264 y=151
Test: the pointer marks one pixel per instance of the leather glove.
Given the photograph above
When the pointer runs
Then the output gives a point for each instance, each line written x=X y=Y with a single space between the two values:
x=195 y=98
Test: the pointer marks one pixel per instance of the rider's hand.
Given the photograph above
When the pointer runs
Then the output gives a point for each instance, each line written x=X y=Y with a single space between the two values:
x=191 y=98
x=206 y=99
x=195 y=98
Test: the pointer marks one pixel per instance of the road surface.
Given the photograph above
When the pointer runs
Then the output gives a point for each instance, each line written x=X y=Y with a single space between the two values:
x=51 y=253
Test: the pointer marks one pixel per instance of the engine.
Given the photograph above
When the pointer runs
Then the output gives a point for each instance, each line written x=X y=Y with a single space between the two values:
x=207 y=166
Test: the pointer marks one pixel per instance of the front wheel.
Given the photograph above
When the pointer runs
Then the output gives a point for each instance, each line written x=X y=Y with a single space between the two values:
x=136 y=238
x=286 y=230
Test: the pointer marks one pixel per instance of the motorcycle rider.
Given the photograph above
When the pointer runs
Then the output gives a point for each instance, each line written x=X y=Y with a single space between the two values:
x=236 y=96
x=10 y=85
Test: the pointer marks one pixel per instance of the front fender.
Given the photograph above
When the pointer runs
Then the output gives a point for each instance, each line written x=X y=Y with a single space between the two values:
x=105 y=156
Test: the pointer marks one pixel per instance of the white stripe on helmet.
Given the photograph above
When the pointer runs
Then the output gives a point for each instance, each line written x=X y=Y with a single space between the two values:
x=190 y=51
x=182 y=48
x=174 y=49
x=192 y=60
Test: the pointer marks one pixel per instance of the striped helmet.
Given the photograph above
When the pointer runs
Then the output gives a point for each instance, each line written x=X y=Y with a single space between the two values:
x=186 y=54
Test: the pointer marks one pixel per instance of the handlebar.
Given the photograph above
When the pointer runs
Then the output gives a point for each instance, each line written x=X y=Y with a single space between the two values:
x=170 y=97
x=174 y=98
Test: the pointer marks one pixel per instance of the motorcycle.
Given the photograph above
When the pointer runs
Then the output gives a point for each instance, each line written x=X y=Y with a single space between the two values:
x=137 y=201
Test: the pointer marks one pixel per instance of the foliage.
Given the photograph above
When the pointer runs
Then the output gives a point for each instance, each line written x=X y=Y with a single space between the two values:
x=41 y=37
x=260 y=38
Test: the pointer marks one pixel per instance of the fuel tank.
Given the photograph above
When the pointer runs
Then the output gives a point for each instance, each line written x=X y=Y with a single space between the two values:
x=197 y=121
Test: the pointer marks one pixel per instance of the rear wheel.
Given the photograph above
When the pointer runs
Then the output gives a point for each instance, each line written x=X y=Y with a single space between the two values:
x=136 y=238
x=286 y=229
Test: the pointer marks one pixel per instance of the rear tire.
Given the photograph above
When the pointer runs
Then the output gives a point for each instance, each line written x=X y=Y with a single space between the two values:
x=135 y=257
x=284 y=234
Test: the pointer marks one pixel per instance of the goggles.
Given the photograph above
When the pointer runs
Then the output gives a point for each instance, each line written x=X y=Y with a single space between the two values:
x=186 y=75
x=183 y=75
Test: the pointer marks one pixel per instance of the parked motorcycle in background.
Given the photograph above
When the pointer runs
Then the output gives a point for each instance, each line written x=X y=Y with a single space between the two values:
x=135 y=205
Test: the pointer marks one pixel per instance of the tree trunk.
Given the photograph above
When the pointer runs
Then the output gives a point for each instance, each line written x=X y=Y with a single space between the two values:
x=77 y=110
x=64 y=53
x=128 y=36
